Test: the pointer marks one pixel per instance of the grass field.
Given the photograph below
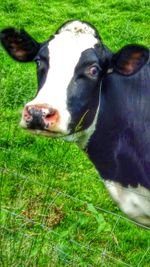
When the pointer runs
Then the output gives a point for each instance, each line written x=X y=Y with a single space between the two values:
x=55 y=210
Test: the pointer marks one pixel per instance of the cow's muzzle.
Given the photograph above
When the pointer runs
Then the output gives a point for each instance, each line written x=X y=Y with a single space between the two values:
x=40 y=117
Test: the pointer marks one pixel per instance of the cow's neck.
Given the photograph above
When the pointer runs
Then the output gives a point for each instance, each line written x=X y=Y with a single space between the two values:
x=82 y=138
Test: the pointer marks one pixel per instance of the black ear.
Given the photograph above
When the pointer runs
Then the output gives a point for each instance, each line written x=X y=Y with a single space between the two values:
x=19 y=44
x=130 y=59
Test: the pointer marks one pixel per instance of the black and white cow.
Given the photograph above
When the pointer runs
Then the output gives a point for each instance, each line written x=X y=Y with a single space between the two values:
x=96 y=98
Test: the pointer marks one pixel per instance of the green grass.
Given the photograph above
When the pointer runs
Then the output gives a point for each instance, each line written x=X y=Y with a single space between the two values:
x=55 y=209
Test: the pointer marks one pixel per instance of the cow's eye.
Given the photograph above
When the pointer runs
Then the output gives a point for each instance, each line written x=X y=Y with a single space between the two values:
x=93 y=71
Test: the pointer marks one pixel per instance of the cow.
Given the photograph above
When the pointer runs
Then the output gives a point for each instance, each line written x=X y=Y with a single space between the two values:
x=94 y=97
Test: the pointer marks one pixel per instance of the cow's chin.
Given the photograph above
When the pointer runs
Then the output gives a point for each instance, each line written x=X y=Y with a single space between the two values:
x=48 y=133
x=79 y=137
x=57 y=133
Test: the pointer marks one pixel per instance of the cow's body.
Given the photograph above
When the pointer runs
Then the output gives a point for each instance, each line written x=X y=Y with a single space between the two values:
x=120 y=146
x=97 y=99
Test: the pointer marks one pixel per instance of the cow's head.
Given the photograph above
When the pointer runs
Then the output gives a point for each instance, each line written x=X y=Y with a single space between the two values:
x=70 y=66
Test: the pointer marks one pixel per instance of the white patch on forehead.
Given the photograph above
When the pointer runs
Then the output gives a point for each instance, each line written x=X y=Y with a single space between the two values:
x=65 y=50
x=77 y=28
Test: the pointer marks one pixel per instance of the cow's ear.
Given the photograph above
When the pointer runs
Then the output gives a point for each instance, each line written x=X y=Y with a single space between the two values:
x=130 y=59
x=19 y=44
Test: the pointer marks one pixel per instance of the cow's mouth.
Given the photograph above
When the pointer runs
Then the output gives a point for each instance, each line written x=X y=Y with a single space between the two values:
x=69 y=135
x=42 y=129
x=48 y=133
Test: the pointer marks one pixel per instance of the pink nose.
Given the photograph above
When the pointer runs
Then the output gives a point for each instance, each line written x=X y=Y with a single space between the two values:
x=40 y=116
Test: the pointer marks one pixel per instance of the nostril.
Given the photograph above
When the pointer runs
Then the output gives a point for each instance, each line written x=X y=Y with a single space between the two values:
x=51 y=112
x=51 y=117
x=26 y=114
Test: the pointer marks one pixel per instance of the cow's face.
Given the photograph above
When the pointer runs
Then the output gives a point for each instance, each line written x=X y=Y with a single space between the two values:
x=69 y=69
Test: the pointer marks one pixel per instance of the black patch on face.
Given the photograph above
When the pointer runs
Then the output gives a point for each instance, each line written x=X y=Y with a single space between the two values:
x=42 y=60
x=83 y=91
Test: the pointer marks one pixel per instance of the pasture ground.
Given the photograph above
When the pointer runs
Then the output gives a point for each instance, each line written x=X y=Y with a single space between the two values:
x=55 y=210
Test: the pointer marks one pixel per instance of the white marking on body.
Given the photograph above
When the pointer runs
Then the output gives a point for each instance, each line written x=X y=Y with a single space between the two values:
x=135 y=202
x=65 y=51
